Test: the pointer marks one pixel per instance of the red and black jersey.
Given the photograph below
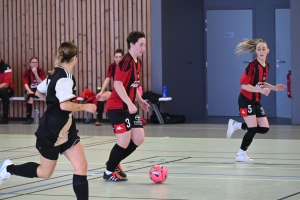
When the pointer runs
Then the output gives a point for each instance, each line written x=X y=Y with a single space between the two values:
x=6 y=74
x=128 y=72
x=255 y=74
x=30 y=80
x=111 y=70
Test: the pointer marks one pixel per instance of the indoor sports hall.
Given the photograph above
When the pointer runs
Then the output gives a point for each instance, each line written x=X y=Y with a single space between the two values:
x=228 y=69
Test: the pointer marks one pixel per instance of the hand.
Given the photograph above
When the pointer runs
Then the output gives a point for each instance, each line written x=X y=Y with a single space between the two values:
x=131 y=108
x=98 y=96
x=34 y=70
x=265 y=91
x=144 y=105
x=31 y=92
x=279 y=87
x=90 y=107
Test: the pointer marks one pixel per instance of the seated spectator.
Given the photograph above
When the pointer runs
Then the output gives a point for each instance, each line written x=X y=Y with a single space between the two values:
x=31 y=78
x=6 y=89
x=103 y=95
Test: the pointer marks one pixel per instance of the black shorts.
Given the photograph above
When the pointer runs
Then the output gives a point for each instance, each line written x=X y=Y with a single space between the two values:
x=247 y=107
x=123 y=121
x=51 y=153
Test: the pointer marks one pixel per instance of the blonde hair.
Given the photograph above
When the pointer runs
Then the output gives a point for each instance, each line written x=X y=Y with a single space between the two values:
x=248 y=46
x=65 y=52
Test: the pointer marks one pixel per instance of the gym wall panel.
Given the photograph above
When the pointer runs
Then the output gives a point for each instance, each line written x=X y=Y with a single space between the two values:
x=97 y=27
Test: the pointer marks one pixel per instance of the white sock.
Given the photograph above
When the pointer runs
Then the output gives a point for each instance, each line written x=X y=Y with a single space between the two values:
x=241 y=152
x=237 y=125
x=108 y=172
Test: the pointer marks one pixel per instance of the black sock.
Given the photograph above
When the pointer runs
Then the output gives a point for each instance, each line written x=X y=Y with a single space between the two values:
x=244 y=126
x=130 y=149
x=115 y=157
x=28 y=110
x=28 y=170
x=248 y=138
x=100 y=109
x=81 y=187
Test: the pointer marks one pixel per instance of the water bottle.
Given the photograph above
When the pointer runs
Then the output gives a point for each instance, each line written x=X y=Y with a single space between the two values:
x=165 y=91
x=140 y=89
x=36 y=115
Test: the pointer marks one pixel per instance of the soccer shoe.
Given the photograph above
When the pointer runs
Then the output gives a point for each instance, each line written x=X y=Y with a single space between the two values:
x=231 y=128
x=115 y=177
x=3 y=173
x=98 y=123
x=243 y=158
x=120 y=171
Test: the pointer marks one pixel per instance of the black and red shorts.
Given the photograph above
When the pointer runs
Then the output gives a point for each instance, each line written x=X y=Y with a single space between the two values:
x=247 y=107
x=123 y=121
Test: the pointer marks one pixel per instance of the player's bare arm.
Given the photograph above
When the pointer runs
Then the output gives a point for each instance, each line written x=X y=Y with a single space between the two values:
x=261 y=90
x=277 y=87
x=40 y=95
x=74 y=107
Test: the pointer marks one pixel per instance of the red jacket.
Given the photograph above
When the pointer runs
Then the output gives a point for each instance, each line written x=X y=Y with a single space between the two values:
x=6 y=74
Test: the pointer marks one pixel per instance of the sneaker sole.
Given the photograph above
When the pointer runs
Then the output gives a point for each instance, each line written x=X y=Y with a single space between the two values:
x=228 y=135
x=250 y=161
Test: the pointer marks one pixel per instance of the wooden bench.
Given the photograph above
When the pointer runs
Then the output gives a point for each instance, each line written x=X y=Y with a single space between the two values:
x=153 y=106
x=38 y=99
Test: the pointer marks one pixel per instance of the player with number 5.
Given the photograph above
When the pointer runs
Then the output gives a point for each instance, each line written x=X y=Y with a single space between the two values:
x=254 y=84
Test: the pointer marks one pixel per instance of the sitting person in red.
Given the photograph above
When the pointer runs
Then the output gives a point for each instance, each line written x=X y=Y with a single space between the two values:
x=103 y=95
x=6 y=89
x=32 y=77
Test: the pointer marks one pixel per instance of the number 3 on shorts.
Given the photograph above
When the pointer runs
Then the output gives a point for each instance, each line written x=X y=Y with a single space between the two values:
x=249 y=109
x=127 y=123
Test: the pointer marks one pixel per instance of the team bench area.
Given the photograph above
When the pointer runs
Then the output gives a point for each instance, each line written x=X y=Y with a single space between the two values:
x=89 y=116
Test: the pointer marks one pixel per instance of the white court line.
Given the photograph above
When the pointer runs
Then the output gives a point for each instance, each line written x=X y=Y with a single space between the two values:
x=233 y=165
x=200 y=177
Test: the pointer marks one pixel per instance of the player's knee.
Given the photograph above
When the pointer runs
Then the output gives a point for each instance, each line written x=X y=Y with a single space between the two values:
x=84 y=166
x=45 y=175
x=251 y=132
x=262 y=130
x=138 y=141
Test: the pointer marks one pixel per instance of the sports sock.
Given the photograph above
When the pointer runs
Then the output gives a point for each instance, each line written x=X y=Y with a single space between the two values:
x=28 y=170
x=81 y=187
x=244 y=126
x=248 y=137
x=100 y=109
x=130 y=149
x=115 y=157
x=241 y=152
x=28 y=110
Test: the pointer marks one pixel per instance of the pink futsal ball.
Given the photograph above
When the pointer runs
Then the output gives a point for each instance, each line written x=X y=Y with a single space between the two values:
x=158 y=173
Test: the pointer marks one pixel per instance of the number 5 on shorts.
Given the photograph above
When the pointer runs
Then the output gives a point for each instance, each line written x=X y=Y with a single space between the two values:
x=249 y=109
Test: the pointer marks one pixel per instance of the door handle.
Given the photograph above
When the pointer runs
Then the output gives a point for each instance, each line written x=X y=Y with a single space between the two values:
x=279 y=61
x=247 y=61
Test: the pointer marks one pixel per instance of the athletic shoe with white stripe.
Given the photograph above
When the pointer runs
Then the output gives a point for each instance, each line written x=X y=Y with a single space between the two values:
x=3 y=173
x=115 y=177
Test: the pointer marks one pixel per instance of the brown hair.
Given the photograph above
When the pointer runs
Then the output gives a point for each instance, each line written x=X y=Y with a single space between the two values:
x=65 y=52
